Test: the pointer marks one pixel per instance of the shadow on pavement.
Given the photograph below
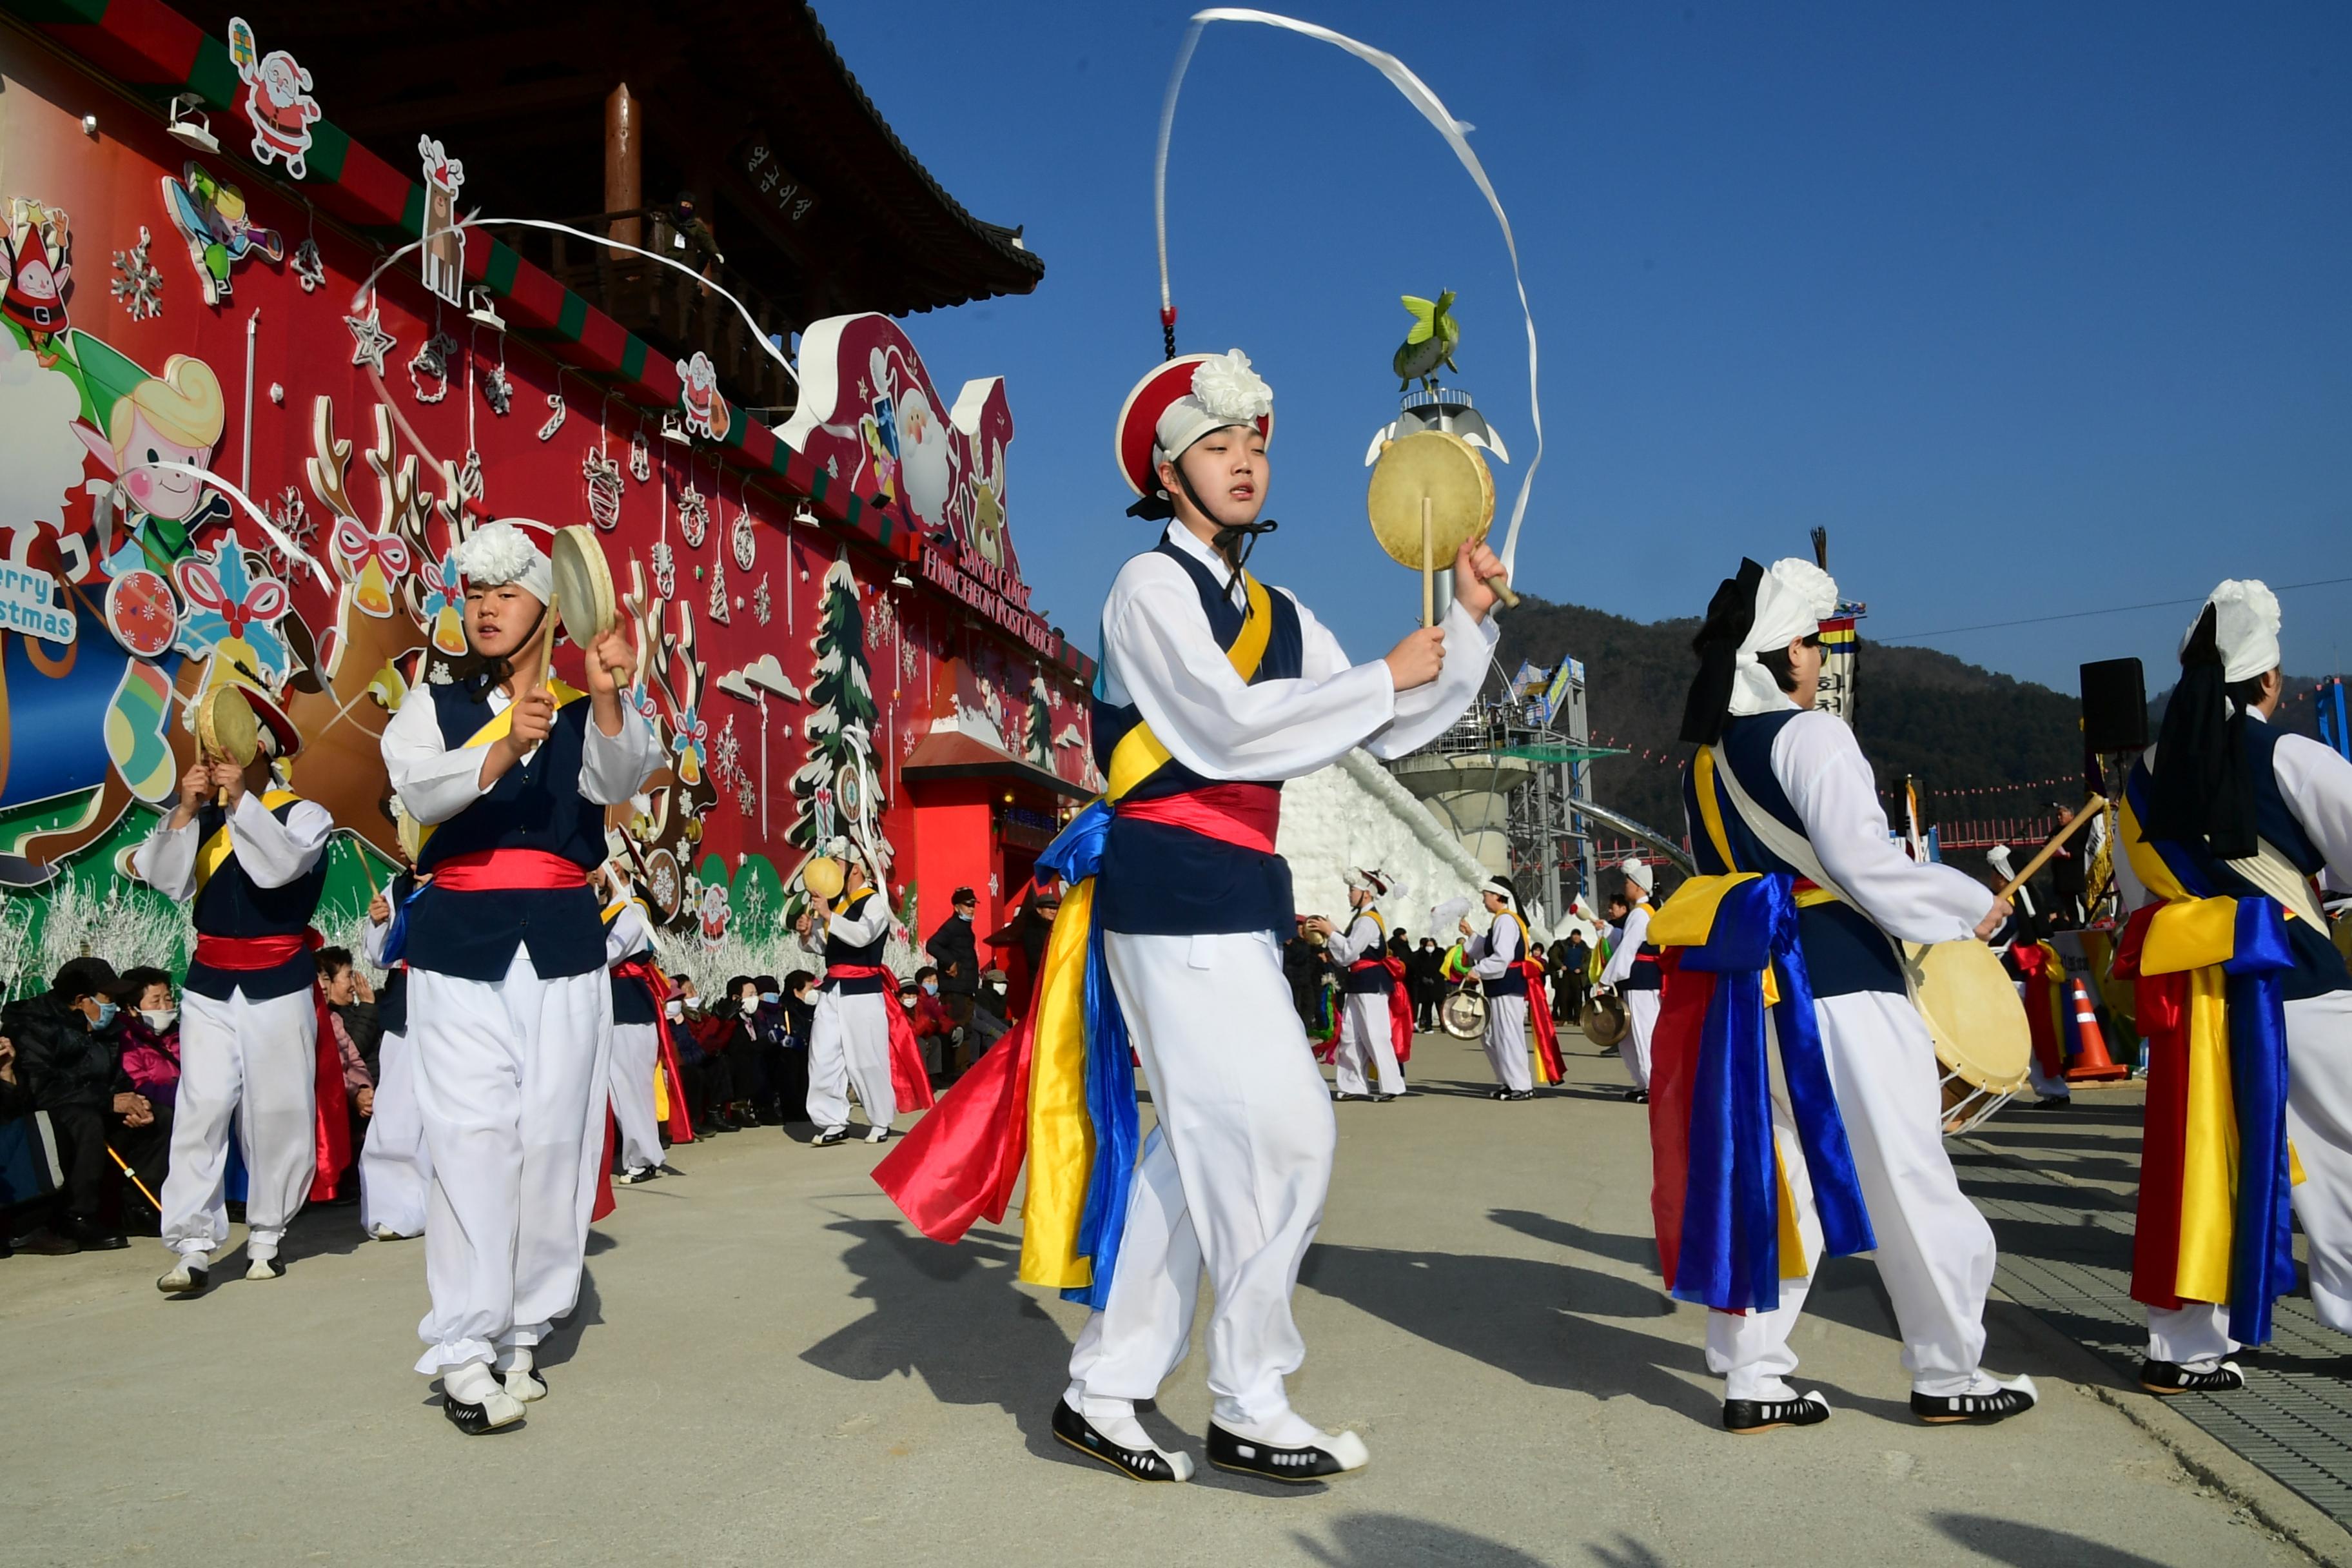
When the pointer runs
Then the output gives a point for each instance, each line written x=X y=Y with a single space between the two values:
x=2031 y=1546
x=1376 y=1540
x=564 y=1339
x=952 y=1316
x=1532 y=1319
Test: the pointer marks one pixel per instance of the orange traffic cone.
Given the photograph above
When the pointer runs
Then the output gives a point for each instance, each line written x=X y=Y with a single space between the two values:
x=2092 y=1065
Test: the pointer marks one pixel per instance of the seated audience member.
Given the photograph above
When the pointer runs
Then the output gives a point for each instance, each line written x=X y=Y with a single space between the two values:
x=800 y=1019
x=770 y=1028
x=66 y=1058
x=147 y=1040
x=989 y=1008
x=343 y=984
x=933 y=1026
x=19 y=1137
x=710 y=1094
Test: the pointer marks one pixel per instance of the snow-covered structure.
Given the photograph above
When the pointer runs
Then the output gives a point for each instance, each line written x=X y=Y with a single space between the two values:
x=1354 y=813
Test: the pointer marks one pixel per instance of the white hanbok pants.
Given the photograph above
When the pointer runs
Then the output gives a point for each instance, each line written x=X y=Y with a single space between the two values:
x=1641 y=1024
x=1934 y=1250
x=1366 y=1044
x=637 y=1050
x=257 y=1061
x=1232 y=1181
x=510 y=1083
x=2319 y=1123
x=1506 y=1042
x=849 y=1043
x=395 y=1168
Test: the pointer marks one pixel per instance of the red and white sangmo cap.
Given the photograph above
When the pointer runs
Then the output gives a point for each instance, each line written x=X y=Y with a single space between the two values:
x=1181 y=401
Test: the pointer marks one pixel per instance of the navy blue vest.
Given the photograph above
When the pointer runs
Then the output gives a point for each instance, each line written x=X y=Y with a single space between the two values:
x=1645 y=974
x=1157 y=879
x=633 y=999
x=1367 y=976
x=535 y=805
x=1844 y=952
x=867 y=954
x=1513 y=980
x=2319 y=968
x=231 y=904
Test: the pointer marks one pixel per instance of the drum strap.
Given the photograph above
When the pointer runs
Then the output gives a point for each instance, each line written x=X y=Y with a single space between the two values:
x=1777 y=837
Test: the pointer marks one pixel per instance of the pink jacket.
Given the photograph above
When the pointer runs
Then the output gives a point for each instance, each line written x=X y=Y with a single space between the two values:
x=151 y=1061
x=355 y=1072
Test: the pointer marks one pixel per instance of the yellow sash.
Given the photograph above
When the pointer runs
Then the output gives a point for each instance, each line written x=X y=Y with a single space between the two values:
x=497 y=730
x=216 y=849
x=1140 y=752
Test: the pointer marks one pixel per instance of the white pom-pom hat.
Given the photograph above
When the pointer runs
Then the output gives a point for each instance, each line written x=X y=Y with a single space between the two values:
x=499 y=554
x=1181 y=401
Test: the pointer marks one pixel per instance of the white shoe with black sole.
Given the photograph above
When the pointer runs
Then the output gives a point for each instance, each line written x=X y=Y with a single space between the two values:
x=265 y=1269
x=188 y=1277
x=1338 y=1456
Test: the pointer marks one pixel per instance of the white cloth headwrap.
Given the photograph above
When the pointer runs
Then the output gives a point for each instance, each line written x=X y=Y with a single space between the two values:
x=2245 y=627
x=1225 y=391
x=1502 y=890
x=1793 y=600
x=1640 y=875
x=499 y=554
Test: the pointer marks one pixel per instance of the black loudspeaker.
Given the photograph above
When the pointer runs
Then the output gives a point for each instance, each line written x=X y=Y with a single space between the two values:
x=2115 y=707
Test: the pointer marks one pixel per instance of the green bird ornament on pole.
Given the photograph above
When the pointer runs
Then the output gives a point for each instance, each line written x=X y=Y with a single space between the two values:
x=1430 y=343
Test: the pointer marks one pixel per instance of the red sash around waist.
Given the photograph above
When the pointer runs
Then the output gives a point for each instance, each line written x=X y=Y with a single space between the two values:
x=1245 y=815
x=648 y=973
x=1363 y=964
x=251 y=952
x=857 y=971
x=502 y=870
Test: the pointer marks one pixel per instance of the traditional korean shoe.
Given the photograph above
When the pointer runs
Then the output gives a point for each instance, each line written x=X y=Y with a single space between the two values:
x=1380 y=1099
x=1515 y=1094
x=2169 y=1377
x=1340 y=1095
x=266 y=1268
x=878 y=1135
x=1747 y=1417
x=829 y=1137
x=635 y=1174
x=1637 y=1095
x=1337 y=1456
x=521 y=1380
x=492 y=1409
x=1137 y=1464
x=188 y=1277
x=385 y=1233
x=1994 y=1399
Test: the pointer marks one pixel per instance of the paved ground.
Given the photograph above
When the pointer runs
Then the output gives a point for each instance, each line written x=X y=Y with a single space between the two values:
x=768 y=1367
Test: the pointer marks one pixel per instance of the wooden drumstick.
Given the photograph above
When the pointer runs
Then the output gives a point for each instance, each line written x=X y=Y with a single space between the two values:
x=2091 y=808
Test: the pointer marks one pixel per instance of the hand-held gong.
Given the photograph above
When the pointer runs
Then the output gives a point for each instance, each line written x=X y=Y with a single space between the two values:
x=582 y=598
x=1430 y=491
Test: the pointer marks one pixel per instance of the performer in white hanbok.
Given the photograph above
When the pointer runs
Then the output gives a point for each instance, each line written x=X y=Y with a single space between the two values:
x=511 y=1014
x=1497 y=956
x=395 y=1167
x=849 y=1040
x=1633 y=971
x=1367 y=1036
x=638 y=992
x=2230 y=807
x=1214 y=689
x=1781 y=788
x=248 y=1019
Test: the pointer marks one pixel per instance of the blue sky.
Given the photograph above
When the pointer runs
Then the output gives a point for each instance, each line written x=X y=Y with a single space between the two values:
x=2038 y=308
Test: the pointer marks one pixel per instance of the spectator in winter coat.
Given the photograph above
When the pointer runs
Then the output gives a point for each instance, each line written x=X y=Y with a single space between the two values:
x=952 y=947
x=799 y=1019
x=343 y=985
x=920 y=997
x=149 y=1037
x=1425 y=979
x=66 y=1057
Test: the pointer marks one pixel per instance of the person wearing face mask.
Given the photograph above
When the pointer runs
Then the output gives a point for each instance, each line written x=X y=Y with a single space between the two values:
x=930 y=1020
x=769 y=1027
x=395 y=1167
x=66 y=1058
x=252 y=1047
x=799 y=1017
x=954 y=950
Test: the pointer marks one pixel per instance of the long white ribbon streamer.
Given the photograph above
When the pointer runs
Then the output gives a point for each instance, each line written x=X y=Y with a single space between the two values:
x=1455 y=131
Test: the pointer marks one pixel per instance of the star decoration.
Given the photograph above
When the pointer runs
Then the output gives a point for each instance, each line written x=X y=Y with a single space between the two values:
x=370 y=342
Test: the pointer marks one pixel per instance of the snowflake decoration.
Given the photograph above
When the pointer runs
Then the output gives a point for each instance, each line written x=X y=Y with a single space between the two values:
x=693 y=516
x=747 y=796
x=664 y=570
x=719 y=592
x=309 y=269
x=762 y=606
x=141 y=287
x=727 y=751
x=662 y=880
x=293 y=520
x=878 y=624
x=907 y=660
x=370 y=342
x=497 y=391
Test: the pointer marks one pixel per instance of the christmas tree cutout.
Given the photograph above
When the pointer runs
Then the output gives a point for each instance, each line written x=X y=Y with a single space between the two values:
x=1041 y=722
x=839 y=732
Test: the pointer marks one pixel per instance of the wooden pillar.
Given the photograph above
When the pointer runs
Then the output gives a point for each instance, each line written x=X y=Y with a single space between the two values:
x=625 y=164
